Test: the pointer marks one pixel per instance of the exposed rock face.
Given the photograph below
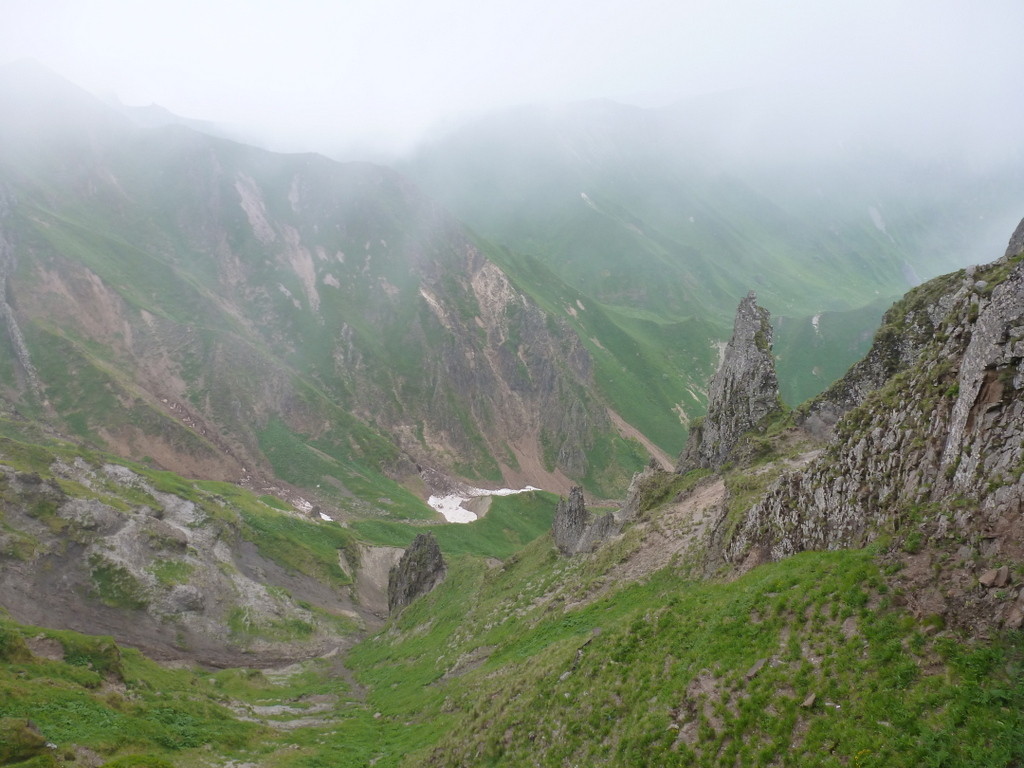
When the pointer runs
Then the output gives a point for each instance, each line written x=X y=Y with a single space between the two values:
x=571 y=520
x=575 y=529
x=304 y=274
x=907 y=329
x=743 y=391
x=81 y=563
x=420 y=570
x=934 y=455
x=631 y=506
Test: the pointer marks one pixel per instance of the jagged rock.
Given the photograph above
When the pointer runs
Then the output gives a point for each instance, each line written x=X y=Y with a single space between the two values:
x=91 y=515
x=908 y=329
x=942 y=437
x=187 y=598
x=575 y=529
x=602 y=527
x=996 y=577
x=631 y=506
x=755 y=669
x=1016 y=244
x=809 y=701
x=1015 y=616
x=571 y=520
x=420 y=570
x=163 y=535
x=743 y=391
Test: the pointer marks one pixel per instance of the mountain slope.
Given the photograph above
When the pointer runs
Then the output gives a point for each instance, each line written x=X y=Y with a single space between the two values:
x=232 y=313
x=664 y=645
x=680 y=211
x=906 y=652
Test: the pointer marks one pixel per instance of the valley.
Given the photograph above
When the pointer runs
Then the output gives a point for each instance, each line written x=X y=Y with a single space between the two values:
x=244 y=394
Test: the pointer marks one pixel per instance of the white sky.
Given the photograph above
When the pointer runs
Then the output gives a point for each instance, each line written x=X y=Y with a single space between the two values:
x=310 y=74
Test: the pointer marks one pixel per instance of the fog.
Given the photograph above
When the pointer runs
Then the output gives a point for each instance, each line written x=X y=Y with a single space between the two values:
x=373 y=76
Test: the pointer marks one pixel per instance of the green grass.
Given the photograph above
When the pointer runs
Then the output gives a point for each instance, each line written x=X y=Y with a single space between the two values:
x=510 y=523
x=617 y=681
x=299 y=545
x=315 y=464
x=115 y=586
x=160 y=711
x=172 y=572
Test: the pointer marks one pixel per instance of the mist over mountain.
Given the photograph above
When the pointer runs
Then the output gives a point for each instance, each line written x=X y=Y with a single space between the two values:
x=244 y=395
x=214 y=302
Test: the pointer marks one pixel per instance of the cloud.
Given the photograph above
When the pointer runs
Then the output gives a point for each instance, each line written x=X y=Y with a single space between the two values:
x=310 y=74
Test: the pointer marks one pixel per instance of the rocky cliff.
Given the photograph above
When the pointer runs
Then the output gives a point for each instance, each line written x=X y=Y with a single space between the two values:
x=575 y=529
x=742 y=392
x=169 y=567
x=221 y=310
x=421 y=568
x=927 y=448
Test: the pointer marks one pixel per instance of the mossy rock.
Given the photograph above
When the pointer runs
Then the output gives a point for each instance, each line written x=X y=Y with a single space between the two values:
x=12 y=646
x=20 y=740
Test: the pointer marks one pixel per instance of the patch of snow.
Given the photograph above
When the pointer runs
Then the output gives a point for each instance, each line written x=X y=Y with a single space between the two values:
x=580 y=305
x=326 y=517
x=588 y=201
x=814 y=321
x=451 y=507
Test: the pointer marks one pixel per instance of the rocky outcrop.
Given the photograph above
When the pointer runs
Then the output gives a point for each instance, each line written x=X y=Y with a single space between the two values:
x=742 y=393
x=907 y=329
x=933 y=456
x=420 y=570
x=97 y=548
x=575 y=529
x=571 y=521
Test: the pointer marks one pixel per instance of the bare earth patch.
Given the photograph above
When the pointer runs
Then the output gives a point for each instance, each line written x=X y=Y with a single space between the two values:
x=679 y=528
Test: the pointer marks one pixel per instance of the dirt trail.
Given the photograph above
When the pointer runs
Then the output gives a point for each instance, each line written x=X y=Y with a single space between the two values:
x=682 y=527
x=628 y=430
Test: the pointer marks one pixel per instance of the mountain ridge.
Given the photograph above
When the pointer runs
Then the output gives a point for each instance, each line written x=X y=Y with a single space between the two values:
x=198 y=262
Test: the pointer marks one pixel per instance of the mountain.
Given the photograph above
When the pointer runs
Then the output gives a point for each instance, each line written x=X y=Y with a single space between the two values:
x=235 y=314
x=845 y=589
x=228 y=378
x=672 y=213
x=832 y=594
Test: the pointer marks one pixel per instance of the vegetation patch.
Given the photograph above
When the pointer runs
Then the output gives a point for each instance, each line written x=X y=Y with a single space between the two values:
x=116 y=586
x=172 y=572
x=511 y=522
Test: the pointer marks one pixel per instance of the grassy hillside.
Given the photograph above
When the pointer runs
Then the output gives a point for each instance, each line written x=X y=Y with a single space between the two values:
x=230 y=312
x=679 y=673
x=658 y=213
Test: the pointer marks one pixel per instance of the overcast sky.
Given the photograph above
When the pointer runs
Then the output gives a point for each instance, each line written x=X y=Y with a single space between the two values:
x=309 y=74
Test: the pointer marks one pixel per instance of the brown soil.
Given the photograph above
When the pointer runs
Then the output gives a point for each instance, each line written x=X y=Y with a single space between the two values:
x=629 y=431
x=678 y=529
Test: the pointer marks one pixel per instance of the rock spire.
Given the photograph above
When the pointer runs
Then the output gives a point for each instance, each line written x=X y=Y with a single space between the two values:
x=420 y=570
x=575 y=529
x=743 y=391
